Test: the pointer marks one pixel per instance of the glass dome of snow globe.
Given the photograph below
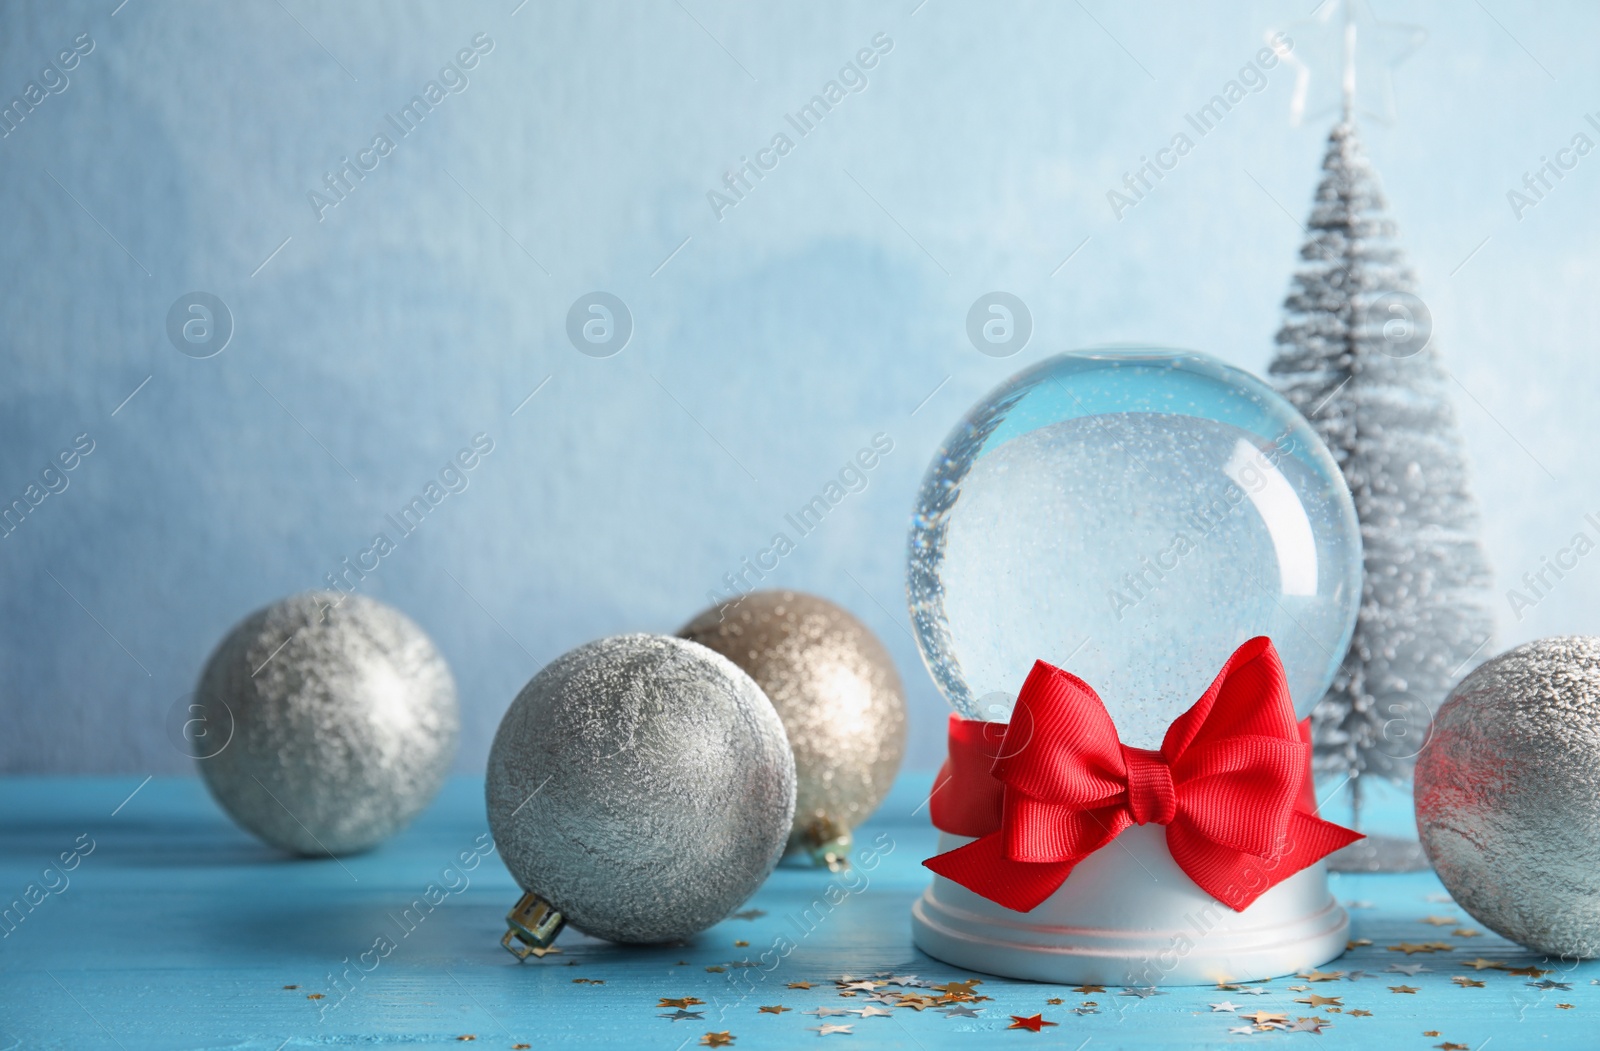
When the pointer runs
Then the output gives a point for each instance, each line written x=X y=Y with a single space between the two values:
x=1131 y=515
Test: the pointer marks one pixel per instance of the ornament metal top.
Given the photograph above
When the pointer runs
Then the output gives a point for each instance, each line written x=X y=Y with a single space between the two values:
x=1132 y=515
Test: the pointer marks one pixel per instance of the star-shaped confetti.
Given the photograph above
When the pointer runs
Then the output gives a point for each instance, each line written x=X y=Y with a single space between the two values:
x=960 y=1011
x=1408 y=969
x=958 y=987
x=1548 y=984
x=1440 y=946
x=1526 y=972
x=722 y=1039
x=864 y=986
x=1359 y=1013
x=1411 y=947
x=884 y=998
x=680 y=1015
x=1467 y=983
x=774 y=1009
x=1565 y=1007
x=592 y=981
x=1466 y=932
x=828 y=1012
x=917 y=1003
x=799 y=985
x=1308 y=1025
x=1402 y=988
x=679 y=1001
x=1440 y=921
x=1265 y=1017
x=872 y=1012
x=1142 y=992
x=828 y=1030
x=1086 y=989
x=1054 y=1000
x=716 y=968
x=1448 y=1046
x=1243 y=1030
x=1481 y=964
x=1321 y=976
x=467 y=1036
x=1032 y=1023
x=1320 y=1001
x=1226 y=1005
x=1255 y=990
x=1357 y=943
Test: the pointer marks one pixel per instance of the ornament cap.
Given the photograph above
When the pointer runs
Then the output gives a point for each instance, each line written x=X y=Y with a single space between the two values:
x=828 y=842
x=534 y=923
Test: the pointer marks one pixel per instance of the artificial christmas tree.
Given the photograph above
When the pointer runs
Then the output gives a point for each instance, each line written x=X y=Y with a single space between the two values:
x=1354 y=356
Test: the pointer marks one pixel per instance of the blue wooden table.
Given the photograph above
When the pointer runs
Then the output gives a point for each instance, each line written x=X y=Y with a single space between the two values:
x=136 y=916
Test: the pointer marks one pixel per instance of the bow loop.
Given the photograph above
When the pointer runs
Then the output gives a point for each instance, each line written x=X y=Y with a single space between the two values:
x=1230 y=783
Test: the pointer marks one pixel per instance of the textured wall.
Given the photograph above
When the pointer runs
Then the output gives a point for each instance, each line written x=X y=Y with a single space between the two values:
x=375 y=337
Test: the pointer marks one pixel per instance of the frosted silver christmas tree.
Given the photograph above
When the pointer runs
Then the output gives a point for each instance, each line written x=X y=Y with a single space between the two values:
x=1355 y=358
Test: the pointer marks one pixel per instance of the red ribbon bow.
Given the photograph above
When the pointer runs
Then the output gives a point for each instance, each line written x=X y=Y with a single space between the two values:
x=1232 y=783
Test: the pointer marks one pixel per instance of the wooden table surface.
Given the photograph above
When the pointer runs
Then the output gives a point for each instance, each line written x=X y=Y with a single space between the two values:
x=173 y=929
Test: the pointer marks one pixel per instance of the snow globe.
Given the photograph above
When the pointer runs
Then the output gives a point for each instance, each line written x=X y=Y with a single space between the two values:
x=1141 y=518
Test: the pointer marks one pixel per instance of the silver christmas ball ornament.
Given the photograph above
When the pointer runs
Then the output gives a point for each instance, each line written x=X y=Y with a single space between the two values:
x=640 y=787
x=344 y=722
x=840 y=699
x=1508 y=795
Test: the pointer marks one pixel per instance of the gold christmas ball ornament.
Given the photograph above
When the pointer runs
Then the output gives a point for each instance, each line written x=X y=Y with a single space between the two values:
x=838 y=695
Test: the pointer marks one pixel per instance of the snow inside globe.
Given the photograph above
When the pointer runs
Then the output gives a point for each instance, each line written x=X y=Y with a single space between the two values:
x=1131 y=515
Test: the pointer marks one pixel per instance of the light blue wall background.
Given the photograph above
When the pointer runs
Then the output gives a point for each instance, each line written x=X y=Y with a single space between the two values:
x=821 y=310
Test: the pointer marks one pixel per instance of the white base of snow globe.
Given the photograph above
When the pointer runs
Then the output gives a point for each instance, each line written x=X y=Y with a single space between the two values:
x=1129 y=916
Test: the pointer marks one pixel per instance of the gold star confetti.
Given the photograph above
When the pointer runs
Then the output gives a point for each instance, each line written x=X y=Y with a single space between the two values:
x=920 y=1003
x=1318 y=1001
x=588 y=981
x=679 y=1001
x=1481 y=964
x=1359 y=1013
x=951 y=988
x=313 y=996
x=1265 y=1017
x=1032 y=1023
x=799 y=985
x=1053 y=1000
x=1430 y=1032
x=521 y=1047
x=1410 y=947
x=291 y=987
x=1467 y=983
x=1440 y=946
x=775 y=1009
x=1356 y=943
x=1440 y=921
x=1526 y=972
x=1088 y=988
x=1466 y=932
x=716 y=969
x=722 y=1039
x=1402 y=988
x=1565 y=1007
x=1321 y=976
x=740 y=943
x=467 y=1036
x=1448 y=1046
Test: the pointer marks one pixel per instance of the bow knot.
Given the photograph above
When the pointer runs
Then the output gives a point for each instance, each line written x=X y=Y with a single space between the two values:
x=1151 y=794
x=1231 y=783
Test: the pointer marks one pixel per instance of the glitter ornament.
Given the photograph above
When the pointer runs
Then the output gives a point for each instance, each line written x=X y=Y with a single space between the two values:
x=344 y=722
x=1508 y=795
x=640 y=787
x=1132 y=516
x=839 y=697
